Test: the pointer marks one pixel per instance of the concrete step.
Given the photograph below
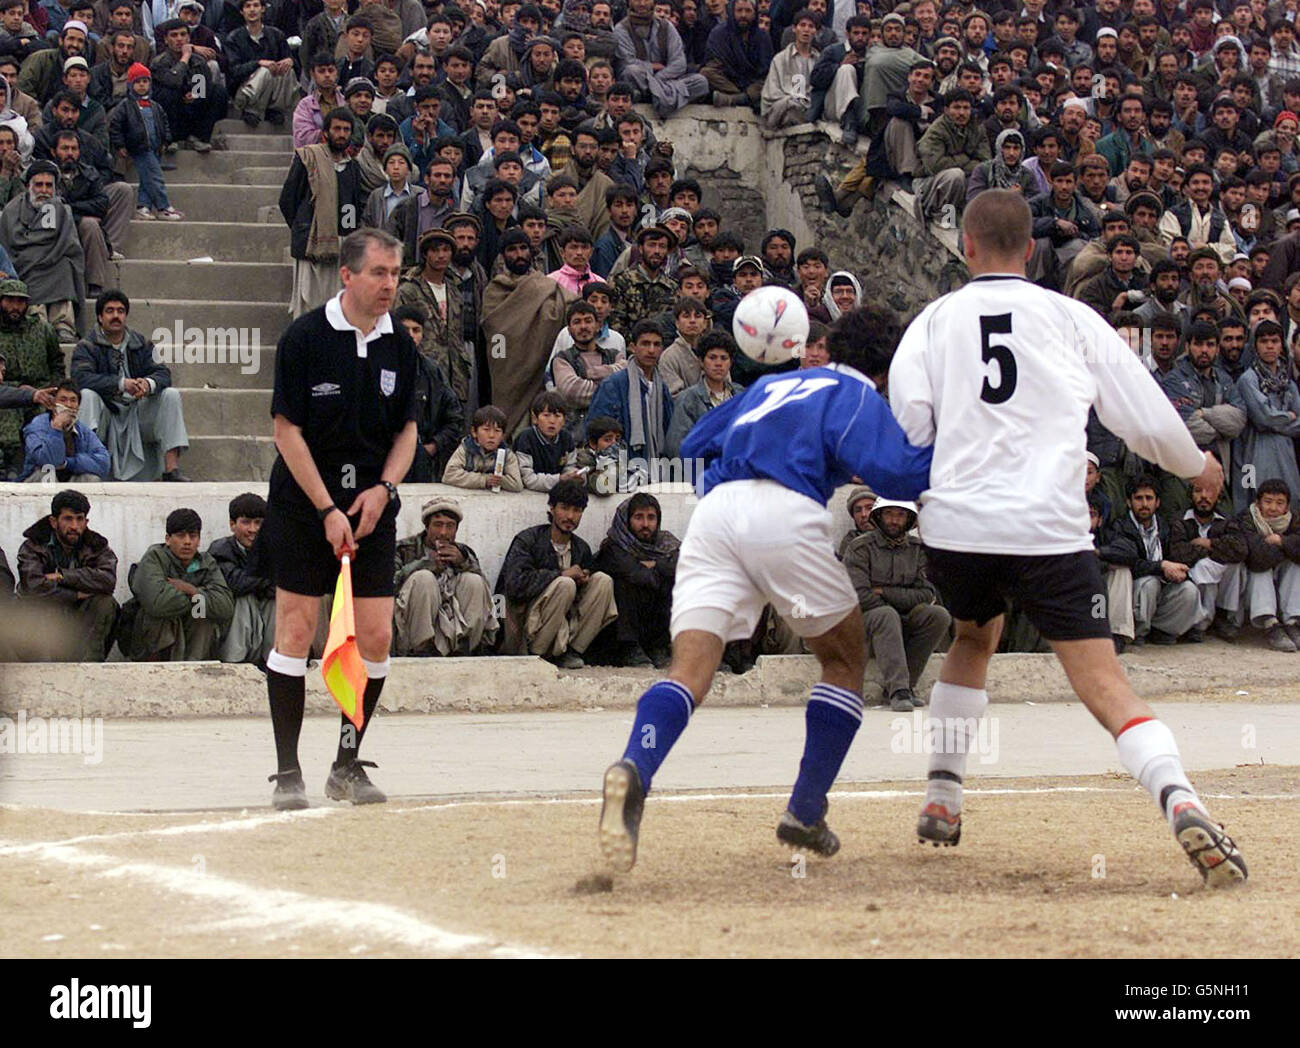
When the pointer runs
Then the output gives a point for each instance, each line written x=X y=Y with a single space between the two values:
x=226 y=412
x=217 y=165
x=251 y=281
x=223 y=241
x=210 y=201
x=229 y=458
x=218 y=362
x=235 y=126
x=261 y=324
x=258 y=142
x=260 y=176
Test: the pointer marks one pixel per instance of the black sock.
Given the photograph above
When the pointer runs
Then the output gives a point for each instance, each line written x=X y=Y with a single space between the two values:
x=288 y=695
x=349 y=736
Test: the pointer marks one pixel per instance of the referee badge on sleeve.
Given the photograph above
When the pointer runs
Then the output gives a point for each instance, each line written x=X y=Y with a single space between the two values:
x=387 y=381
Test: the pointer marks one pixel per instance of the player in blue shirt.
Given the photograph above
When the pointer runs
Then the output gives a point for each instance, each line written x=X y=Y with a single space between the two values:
x=761 y=534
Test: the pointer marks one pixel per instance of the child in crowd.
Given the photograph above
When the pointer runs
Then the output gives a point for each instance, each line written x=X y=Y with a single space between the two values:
x=599 y=455
x=473 y=464
x=138 y=128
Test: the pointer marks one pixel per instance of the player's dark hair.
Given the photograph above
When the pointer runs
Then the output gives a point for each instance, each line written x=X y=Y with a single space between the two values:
x=488 y=415
x=568 y=493
x=1274 y=486
x=1136 y=484
x=549 y=400
x=179 y=520
x=865 y=338
x=248 y=505
x=69 y=499
x=602 y=424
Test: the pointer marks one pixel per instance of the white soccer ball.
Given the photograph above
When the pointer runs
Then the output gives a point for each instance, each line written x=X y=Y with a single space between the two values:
x=771 y=325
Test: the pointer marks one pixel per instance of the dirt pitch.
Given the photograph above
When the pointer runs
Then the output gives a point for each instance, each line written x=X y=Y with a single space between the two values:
x=1081 y=867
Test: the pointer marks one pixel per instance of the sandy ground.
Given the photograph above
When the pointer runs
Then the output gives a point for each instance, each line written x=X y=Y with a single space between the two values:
x=1048 y=867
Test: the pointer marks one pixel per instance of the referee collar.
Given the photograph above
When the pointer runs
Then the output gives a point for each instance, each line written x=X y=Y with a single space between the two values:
x=334 y=314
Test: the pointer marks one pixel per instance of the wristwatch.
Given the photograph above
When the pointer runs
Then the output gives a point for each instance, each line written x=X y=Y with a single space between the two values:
x=392 y=490
x=323 y=513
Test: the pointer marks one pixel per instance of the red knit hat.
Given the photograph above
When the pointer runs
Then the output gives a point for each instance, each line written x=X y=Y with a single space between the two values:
x=137 y=70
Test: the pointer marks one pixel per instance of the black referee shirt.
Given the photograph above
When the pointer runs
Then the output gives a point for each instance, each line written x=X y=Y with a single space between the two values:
x=350 y=407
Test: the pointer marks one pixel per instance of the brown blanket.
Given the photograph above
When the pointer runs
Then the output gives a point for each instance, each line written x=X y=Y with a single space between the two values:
x=521 y=317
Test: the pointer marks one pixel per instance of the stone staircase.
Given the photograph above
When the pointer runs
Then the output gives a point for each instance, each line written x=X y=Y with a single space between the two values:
x=231 y=310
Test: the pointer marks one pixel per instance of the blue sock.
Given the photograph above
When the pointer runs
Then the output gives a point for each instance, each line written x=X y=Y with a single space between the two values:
x=832 y=719
x=661 y=716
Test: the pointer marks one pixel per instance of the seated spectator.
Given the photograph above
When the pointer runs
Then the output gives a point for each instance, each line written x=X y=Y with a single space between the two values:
x=73 y=572
x=1120 y=285
x=903 y=620
x=42 y=72
x=481 y=461
x=1166 y=604
x=836 y=77
x=58 y=447
x=1129 y=138
x=1116 y=555
x=127 y=397
x=45 y=249
x=1265 y=449
x=182 y=601
x=82 y=188
x=443 y=604
x=598 y=456
x=786 y=93
x=716 y=351
x=31 y=365
x=843 y=294
x=641 y=559
x=1214 y=547
x=261 y=79
x=556 y=601
x=139 y=129
x=1063 y=225
x=17 y=36
x=637 y=396
x=545 y=447
x=861 y=501
x=1196 y=218
x=1273 y=565
x=952 y=147
x=251 y=633
x=680 y=365
x=654 y=61
x=1163 y=290
x=584 y=354
x=1004 y=171
x=353 y=50
x=186 y=89
x=777 y=251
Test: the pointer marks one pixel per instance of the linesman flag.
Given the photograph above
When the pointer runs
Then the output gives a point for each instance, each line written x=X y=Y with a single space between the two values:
x=341 y=666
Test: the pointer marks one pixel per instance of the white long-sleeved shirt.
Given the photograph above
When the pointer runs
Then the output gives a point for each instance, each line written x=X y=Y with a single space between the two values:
x=999 y=377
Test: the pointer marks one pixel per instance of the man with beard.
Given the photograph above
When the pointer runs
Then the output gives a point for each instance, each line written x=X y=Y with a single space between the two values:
x=127 y=396
x=41 y=235
x=381 y=133
x=641 y=559
x=836 y=76
x=1129 y=137
x=428 y=209
x=1162 y=294
x=31 y=362
x=470 y=280
x=523 y=310
x=593 y=184
x=1232 y=344
x=1131 y=180
x=108 y=78
x=900 y=611
x=777 y=249
x=654 y=61
x=885 y=73
x=1214 y=547
x=644 y=290
x=69 y=573
x=429 y=290
x=1209 y=404
x=321 y=202
x=83 y=190
x=1160 y=130
x=859 y=504
x=41 y=75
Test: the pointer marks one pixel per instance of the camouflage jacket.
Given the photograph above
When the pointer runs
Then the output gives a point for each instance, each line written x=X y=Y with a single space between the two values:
x=32 y=358
x=639 y=296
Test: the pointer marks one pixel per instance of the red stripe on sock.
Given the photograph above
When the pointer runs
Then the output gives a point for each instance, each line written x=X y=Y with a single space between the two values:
x=1133 y=724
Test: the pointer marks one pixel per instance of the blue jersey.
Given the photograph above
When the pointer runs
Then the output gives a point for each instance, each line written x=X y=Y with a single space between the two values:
x=810 y=431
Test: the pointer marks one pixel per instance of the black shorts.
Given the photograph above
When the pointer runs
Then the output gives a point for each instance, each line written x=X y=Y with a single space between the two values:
x=303 y=561
x=1062 y=593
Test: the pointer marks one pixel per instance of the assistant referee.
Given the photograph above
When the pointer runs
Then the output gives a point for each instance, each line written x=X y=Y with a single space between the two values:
x=344 y=411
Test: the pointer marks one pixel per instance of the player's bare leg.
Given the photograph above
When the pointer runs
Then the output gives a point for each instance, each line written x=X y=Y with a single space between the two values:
x=832 y=718
x=956 y=705
x=661 y=716
x=286 y=685
x=347 y=779
x=1149 y=752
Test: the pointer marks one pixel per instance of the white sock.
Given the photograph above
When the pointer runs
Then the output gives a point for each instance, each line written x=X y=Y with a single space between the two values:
x=1148 y=750
x=954 y=716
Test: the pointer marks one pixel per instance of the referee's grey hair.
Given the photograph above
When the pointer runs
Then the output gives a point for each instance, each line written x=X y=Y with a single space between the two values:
x=353 y=249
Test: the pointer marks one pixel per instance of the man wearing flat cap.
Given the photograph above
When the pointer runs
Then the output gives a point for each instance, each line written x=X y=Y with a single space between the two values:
x=444 y=604
x=644 y=290
x=184 y=86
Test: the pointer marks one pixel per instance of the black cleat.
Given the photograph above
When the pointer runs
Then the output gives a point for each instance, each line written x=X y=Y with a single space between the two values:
x=349 y=782
x=937 y=827
x=290 y=793
x=1209 y=849
x=620 y=815
x=817 y=838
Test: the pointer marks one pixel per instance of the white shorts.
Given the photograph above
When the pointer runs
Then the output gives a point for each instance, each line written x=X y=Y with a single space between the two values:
x=752 y=543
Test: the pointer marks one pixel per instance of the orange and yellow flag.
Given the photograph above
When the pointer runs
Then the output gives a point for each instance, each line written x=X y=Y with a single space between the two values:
x=341 y=666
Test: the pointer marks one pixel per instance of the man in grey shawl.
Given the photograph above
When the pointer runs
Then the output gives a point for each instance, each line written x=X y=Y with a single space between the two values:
x=444 y=604
x=654 y=61
x=41 y=235
x=1005 y=170
x=641 y=558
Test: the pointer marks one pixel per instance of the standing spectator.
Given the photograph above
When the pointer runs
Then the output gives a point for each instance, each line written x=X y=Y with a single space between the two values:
x=186 y=89
x=637 y=396
x=557 y=602
x=251 y=633
x=644 y=290
x=949 y=151
x=127 y=396
x=444 y=606
x=903 y=620
x=1063 y=225
x=183 y=601
x=429 y=291
x=139 y=129
x=1266 y=449
x=73 y=572
x=1004 y=170
x=324 y=97
x=59 y=447
x=681 y=363
x=261 y=78
x=41 y=236
x=1273 y=565
x=439 y=418
x=654 y=61
x=1116 y=286
x=717 y=349
x=641 y=559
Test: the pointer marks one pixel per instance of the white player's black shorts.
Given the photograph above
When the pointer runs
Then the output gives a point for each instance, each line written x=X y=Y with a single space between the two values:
x=303 y=561
x=1062 y=593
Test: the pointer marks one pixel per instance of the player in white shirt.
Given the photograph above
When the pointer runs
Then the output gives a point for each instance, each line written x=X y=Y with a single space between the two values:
x=999 y=377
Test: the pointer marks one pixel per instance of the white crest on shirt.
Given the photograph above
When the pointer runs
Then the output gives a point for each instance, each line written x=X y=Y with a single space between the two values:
x=387 y=382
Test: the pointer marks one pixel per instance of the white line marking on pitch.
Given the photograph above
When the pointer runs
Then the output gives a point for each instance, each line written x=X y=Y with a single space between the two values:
x=285 y=911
